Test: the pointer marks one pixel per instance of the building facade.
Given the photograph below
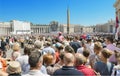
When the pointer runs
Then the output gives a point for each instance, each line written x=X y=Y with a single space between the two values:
x=78 y=29
x=5 y=28
x=39 y=28
x=21 y=27
x=63 y=28
x=108 y=27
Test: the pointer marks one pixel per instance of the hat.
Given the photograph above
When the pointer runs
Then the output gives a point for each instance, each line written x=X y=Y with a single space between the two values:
x=13 y=67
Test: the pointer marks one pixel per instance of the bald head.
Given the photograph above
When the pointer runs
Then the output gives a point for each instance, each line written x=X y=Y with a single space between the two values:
x=80 y=59
x=69 y=58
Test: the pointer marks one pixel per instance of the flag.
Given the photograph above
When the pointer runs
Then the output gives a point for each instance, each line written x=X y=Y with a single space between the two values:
x=116 y=28
x=117 y=23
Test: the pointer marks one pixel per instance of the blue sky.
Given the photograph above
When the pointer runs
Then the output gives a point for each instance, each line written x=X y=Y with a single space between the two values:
x=84 y=12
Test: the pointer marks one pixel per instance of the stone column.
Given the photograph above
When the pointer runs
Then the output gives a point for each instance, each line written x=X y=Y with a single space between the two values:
x=47 y=29
x=35 y=30
x=3 y=31
x=42 y=29
x=39 y=29
x=0 y=30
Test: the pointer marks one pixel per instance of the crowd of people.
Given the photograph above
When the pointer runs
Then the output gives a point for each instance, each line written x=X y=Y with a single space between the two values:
x=59 y=55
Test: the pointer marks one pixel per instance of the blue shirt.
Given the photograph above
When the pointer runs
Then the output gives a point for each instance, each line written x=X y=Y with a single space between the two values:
x=103 y=68
x=67 y=70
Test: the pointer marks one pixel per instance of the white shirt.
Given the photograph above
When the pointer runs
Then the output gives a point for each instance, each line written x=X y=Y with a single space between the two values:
x=90 y=47
x=117 y=69
x=80 y=50
x=23 y=60
x=15 y=55
x=0 y=65
x=35 y=73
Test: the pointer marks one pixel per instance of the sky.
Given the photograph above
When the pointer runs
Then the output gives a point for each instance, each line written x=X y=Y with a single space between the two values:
x=83 y=12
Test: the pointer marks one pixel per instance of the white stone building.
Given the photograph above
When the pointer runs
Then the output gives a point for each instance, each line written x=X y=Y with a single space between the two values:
x=5 y=28
x=40 y=28
x=108 y=27
x=20 y=27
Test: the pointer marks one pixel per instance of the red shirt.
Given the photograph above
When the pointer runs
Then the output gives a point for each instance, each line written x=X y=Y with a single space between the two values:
x=85 y=70
x=57 y=56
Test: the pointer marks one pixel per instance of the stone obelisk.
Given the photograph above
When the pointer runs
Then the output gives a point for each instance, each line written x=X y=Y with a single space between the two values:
x=68 y=21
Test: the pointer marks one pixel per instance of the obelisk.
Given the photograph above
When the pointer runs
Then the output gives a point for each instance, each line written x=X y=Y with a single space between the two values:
x=68 y=21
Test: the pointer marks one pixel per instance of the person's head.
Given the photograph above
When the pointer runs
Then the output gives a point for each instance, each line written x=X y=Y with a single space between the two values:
x=86 y=53
x=30 y=41
x=15 y=39
x=38 y=44
x=105 y=54
x=48 y=43
x=59 y=47
x=49 y=39
x=76 y=38
x=61 y=56
x=69 y=49
x=97 y=47
x=108 y=40
x=60 y=33
x=16 y=47
x=13 y=68
x=48 y=59
x=89 y=40
x=35 y=59
x=56 y=40
x=28 y=49
x=117 y=56
x=67 y=38
x=83 y=44
x=69 y=59
x=118 y=44
x=80 y=59
x=2 y=39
